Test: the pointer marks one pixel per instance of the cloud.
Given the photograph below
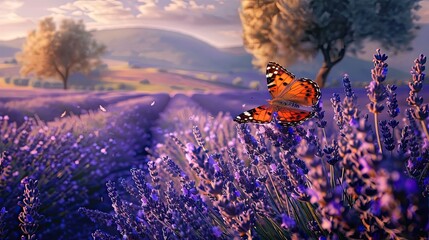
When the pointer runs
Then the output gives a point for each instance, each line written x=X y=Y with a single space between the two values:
x=77 y=13
x=184 y=6
x=194 y=5
x=57 y=10
x=176 y=6
x=190 y=16
x=7 y=12
x=210 y=12
x=11 y=18
x=12 y=24
x=149 y=9
x=68 y=6
x=8 y=6
x=102 y=11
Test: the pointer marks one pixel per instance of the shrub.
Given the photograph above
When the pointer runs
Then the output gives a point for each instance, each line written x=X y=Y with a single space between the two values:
x=256 y=85
x=238 y=81
x=21 y=82
x=145 y=81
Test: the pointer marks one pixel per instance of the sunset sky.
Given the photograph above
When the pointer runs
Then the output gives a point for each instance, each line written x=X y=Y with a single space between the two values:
x=215 y=21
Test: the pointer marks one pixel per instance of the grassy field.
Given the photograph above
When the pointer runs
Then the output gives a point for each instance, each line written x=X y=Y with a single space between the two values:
x=118 y=76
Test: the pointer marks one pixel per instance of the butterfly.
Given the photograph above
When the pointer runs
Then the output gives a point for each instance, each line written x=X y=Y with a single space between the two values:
x=292 y=99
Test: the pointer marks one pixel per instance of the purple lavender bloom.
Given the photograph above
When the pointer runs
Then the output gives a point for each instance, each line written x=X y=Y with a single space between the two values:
x=420 y=112
x=338 y=111
x=392 y=106
x=29 y=217
x=216 y=232
x=100 y=235
x=376 y=91
x=348 y=87
x=287 y=222
x=388 y=141
x=403 y=142
x=416 y=84
x=331 y=153
x=319 y=114
x=3 y=229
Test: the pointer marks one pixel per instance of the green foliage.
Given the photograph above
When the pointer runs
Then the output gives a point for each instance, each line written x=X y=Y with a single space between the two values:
x=286 y=31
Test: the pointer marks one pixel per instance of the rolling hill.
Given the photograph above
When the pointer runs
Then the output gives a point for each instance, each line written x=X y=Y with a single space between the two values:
x=143 y=47
x=6 y=51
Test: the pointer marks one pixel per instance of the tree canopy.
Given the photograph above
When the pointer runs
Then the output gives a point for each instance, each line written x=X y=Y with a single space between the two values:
x=289 y=30
x=52 y=52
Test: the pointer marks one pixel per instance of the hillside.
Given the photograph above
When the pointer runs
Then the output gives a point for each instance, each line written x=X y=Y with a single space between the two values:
x=6 y=51
x=167 y=50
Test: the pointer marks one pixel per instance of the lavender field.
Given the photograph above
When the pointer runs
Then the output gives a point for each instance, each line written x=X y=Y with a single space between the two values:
x=130 y=165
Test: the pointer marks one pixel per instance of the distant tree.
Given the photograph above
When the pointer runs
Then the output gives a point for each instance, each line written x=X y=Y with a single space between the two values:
x=237 y=81
x=52 y=52
x=256 y=85
x=289 y=30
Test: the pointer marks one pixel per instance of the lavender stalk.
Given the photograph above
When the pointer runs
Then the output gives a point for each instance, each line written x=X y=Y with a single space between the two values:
x=376 y=91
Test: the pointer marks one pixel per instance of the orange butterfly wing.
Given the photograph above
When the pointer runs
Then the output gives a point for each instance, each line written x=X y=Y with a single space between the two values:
x=292 y=116
x=261 y=114
x=277 y=78
x=283 y=85
x=303 y=91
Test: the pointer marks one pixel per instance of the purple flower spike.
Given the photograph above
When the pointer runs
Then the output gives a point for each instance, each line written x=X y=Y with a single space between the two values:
x=421 y=111
x=376 y=91
x=29 y=217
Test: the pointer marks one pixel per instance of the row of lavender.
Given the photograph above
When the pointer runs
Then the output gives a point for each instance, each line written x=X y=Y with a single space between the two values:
x=361 y=181
x=48 y=171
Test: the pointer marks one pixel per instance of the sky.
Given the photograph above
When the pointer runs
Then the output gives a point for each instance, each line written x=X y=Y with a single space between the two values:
x=214 y=21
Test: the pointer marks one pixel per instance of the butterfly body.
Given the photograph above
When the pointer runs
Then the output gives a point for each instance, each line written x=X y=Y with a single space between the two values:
x=281 y=104
x=292 y=99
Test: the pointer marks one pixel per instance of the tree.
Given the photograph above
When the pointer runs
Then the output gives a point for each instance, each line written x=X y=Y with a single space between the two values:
x=289 y=30
x=52 y=52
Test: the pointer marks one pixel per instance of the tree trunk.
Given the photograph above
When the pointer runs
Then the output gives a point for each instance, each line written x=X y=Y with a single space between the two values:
x=323 y=73
x=65 y=79
x=65 y=82
x=331 y=57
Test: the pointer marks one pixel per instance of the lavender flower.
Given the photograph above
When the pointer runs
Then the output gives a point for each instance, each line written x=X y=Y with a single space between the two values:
x=376 y=91
x=99 y=235
x=331 y=153
x=3 y=229
x=387 y=136
x=416 y=84
x=319 y=114
x=348 y=87
x=392 y=106
x=403 y=143
x=338 y=113
x=419 y=111
x=29 y=217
